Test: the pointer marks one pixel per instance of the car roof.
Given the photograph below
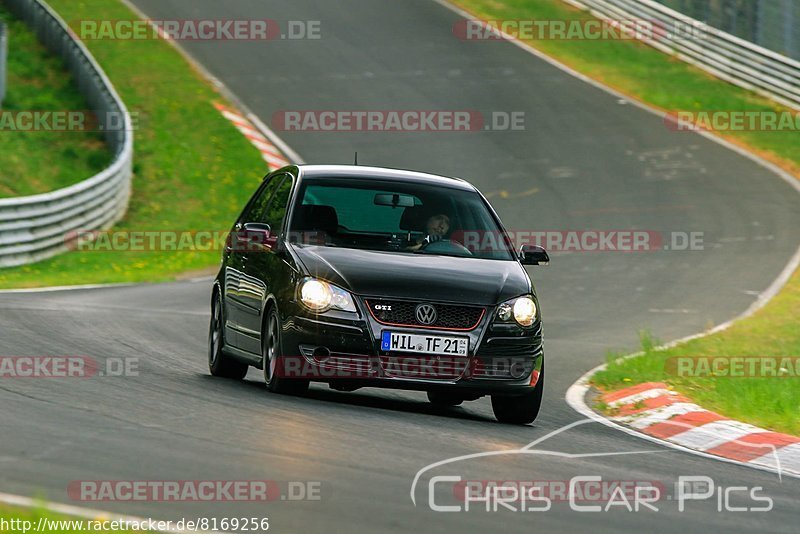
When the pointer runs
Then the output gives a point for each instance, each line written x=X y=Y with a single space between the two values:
x=360 y=171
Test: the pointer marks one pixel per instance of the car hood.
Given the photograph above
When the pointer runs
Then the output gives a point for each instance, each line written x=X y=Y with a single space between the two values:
x=415 y=276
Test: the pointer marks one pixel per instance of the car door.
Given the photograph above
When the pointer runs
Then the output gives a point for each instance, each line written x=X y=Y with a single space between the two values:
x=237 y=286
x=262 y=265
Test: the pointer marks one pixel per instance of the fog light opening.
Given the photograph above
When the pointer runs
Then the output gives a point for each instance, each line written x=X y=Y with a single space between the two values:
x=321 y=354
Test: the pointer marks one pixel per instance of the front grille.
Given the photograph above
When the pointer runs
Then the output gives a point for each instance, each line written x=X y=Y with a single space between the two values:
x=403 y=313
x=424 y=367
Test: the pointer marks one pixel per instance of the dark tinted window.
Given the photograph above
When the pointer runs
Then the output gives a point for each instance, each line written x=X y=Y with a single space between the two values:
x=276 y=209
x=258 y=205
x=355 y=207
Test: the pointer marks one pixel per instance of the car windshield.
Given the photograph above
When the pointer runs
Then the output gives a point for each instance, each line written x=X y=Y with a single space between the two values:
x=413 y=218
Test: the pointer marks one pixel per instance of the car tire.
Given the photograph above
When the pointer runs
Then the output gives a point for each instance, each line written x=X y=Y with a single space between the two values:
x=522 y=409
x=272 y=348
x=438 y=398
x=219 y=363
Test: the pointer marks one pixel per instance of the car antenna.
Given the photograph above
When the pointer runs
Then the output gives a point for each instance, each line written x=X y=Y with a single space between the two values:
x=356 y=162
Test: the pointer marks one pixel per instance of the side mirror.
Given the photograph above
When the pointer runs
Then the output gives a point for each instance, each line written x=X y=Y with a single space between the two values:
x=257 y=236
x=533 y=255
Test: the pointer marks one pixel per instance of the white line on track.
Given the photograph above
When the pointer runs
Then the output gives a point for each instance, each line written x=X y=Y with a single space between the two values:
x=62 y=288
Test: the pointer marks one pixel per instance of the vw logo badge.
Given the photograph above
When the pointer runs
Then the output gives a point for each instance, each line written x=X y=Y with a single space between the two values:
x=426 y=314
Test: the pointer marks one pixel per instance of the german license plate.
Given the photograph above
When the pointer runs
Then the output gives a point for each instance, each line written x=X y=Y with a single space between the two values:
x=424 y=344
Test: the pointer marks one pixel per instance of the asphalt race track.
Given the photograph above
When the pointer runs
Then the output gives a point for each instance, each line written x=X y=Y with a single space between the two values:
x=584 y=161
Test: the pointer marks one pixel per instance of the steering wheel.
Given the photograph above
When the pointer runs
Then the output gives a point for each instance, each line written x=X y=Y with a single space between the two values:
x=445 y=246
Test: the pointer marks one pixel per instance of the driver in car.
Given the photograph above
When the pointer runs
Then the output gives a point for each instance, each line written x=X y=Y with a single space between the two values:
x=436 y=227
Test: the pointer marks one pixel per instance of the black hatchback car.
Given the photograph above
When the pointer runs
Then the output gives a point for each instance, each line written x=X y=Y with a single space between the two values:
x=372 y=277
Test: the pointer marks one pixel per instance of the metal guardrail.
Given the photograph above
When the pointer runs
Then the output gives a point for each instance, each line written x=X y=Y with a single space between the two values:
x=3 y=60
x=36 y=227
x=773 y=24
x=728 y=57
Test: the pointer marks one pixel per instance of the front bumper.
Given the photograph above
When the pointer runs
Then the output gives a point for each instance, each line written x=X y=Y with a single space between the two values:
x=345 y=349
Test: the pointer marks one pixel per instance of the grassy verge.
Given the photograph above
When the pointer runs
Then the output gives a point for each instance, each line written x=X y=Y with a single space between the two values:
x=34 y=162
x=17 y=520
x=193 y=169
x=652 y=77
x=638 y=70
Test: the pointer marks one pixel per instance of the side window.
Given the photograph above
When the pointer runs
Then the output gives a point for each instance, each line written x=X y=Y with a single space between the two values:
x=275 y=213
x=261 y=199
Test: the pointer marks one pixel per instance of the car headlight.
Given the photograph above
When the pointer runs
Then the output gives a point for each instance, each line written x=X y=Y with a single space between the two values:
x=521 y=309
x=524 y=311
x=321 y=296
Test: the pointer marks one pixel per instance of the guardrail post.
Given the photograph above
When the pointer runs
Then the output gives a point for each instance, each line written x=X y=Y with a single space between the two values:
x=789 y=18
x=3 y=60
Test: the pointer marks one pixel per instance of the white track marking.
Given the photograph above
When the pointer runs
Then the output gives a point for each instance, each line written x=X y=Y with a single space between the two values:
x=713 y=434
x=269 y=152
x=659 y=415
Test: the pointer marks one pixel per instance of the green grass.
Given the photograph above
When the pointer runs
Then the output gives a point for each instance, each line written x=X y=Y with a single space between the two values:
x=38 y=161
x=193 y=169
x=644 y=73
x=64 y=524
x=773 y=403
